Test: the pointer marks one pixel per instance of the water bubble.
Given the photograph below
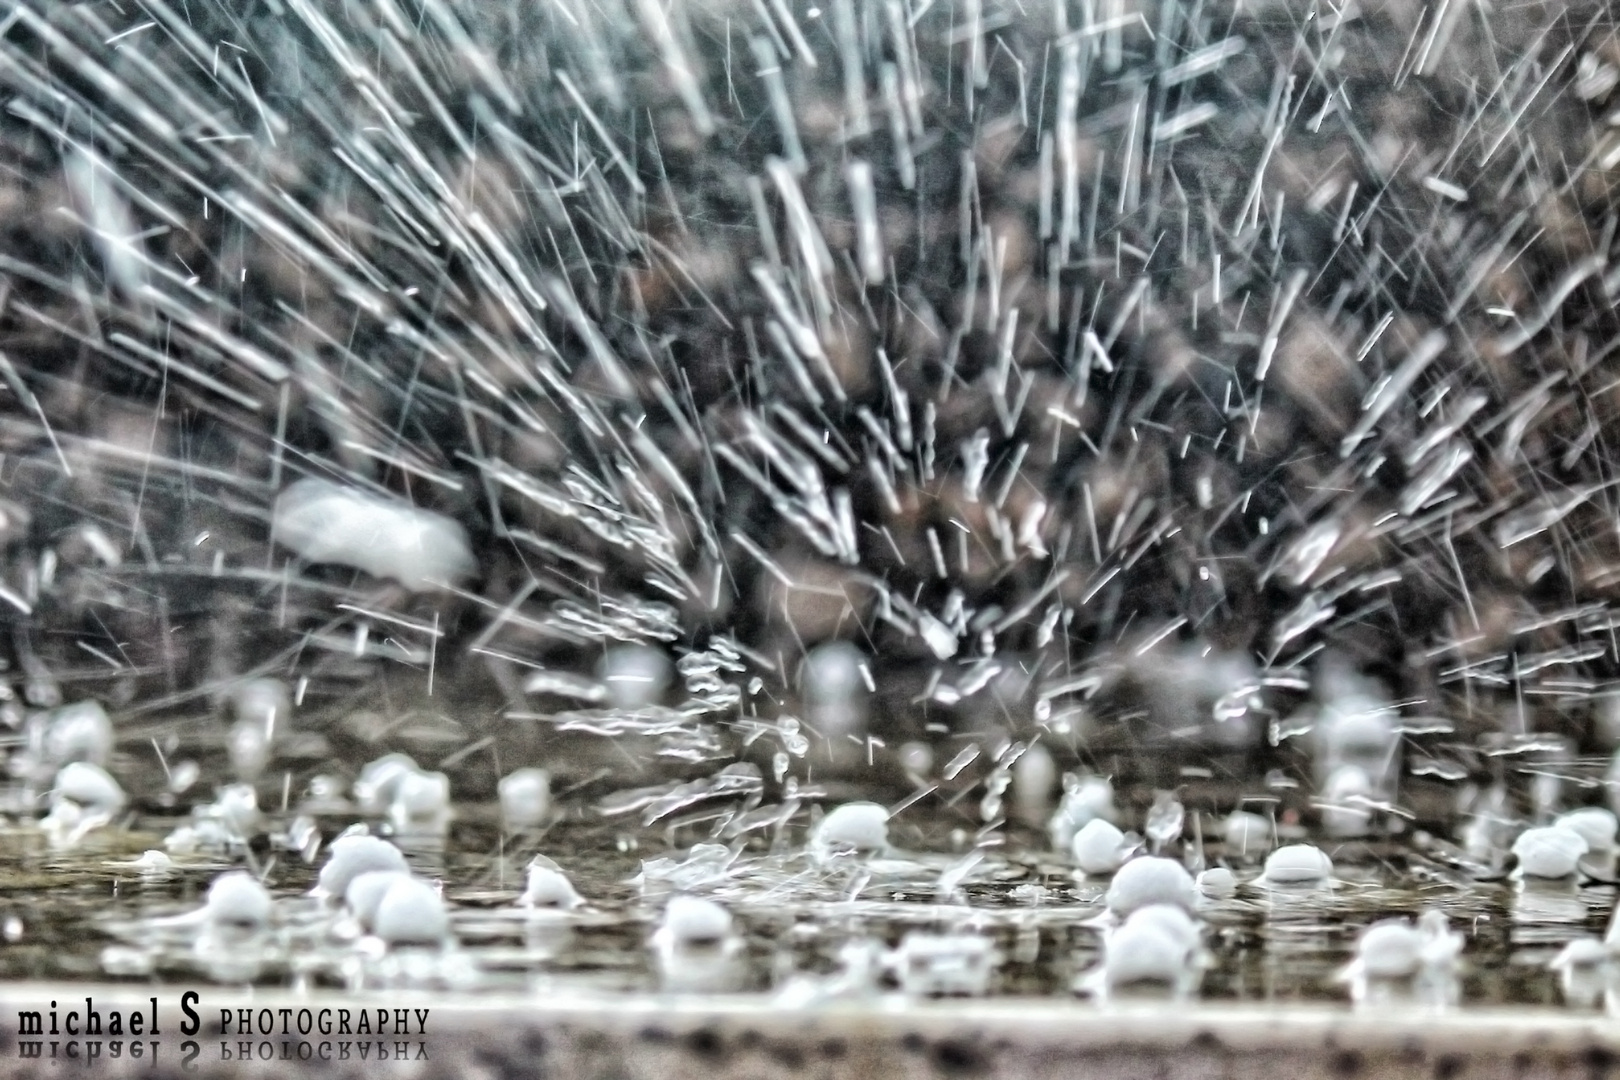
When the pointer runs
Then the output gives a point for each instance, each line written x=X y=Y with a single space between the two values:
x=1158 y=944
x=1596 y=825
x=1034 y=775
x=1345 y=802
x=1298 y=864
x=693 y=921
x=1549 y=852
x=374 y=788
x=83 y=798
x=695 y=946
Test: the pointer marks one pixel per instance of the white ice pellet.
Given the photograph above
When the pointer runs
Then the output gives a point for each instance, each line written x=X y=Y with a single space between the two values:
x=79 y=732
x=635 y=676
x=350 y=856
x=1298 y=864
x=421 y=802
x=861 y=827
x=1391 y=949
x=692 y=922
x=239 y=900
x=1151 y=880
x=1550 y=852
x=411 y=913
x=264 y=701
x=237 y=807
x=549 y=887
x=248 y=747
x=525 y=797
x=365 y=893
x=378 y=780
x=1595 y=825
x=1151 y=947
x=1247 y=835
x=1345 y=802
x=830 y=674
x=262 y=707
x=1034 y=775
x=1099 y=847
x=1084 y=798
x=89 y=786
x=1171 y=919
x=1217 y=883
x=325 y=522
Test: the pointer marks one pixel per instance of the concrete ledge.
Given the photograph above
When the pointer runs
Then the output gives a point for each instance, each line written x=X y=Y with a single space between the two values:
x=748 y=1039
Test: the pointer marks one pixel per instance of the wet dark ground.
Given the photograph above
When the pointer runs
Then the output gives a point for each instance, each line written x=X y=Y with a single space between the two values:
x=95 y=919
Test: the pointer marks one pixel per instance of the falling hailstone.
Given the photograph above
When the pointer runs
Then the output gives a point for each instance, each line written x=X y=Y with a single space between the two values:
x=325 y=522
x=525 y=797
x=84 y=798
x=548 y=887
x=860 y=828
